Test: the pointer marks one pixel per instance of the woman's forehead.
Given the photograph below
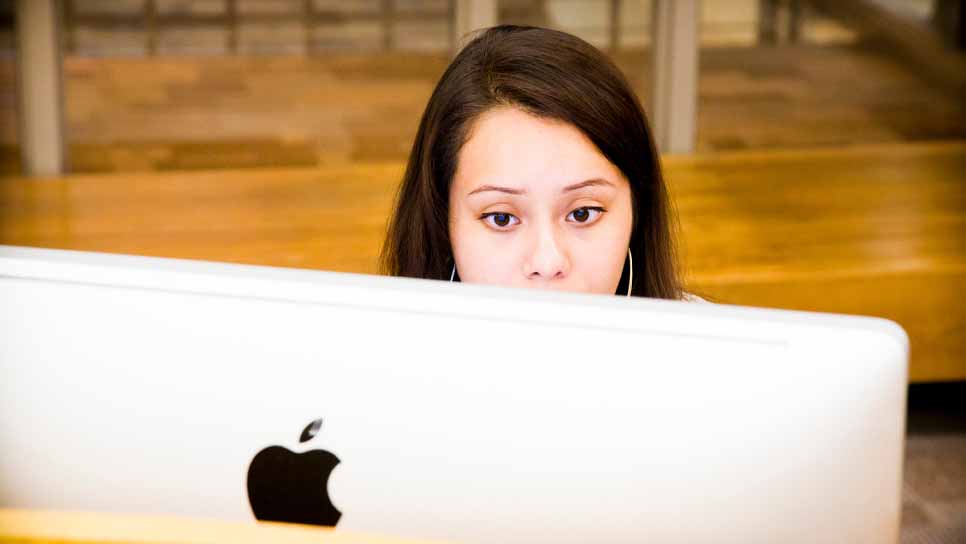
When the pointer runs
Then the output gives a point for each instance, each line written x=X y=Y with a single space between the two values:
x=509 y=147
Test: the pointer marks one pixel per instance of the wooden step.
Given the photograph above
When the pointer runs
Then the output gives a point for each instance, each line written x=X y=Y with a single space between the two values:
x=873 y=230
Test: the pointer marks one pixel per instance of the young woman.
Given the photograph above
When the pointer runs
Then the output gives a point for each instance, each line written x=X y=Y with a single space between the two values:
x=534 y=166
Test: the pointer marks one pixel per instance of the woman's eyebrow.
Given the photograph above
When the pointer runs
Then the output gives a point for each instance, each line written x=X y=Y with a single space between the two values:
x=507 y=190
x=511 y=191
x=586 y=183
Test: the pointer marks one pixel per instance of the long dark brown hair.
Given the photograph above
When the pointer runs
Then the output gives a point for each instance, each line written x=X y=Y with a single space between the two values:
x=552 y=75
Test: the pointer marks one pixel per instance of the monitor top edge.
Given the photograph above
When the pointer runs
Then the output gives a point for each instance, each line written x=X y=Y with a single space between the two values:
x=188 y=275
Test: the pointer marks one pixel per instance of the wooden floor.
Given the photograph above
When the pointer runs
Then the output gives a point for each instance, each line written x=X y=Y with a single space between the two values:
x=934 y=468
x=875 y=230
x=177 y=113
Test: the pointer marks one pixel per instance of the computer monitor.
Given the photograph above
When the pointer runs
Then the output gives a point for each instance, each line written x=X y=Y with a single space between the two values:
x=428 y=409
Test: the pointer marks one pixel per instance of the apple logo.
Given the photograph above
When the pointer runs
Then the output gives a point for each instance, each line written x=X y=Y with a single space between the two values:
x=293 y=487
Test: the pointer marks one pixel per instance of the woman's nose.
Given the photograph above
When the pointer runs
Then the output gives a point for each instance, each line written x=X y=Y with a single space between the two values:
x=547 y=259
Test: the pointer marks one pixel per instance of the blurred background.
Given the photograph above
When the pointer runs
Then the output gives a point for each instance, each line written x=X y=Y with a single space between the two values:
x=815 y=150
x=152 y=85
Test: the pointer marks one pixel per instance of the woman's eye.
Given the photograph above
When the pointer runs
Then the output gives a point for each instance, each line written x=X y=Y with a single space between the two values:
x=500 y=220
x=587 y=214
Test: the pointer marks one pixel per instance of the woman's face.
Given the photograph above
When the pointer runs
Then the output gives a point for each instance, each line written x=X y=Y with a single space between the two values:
x=535 y=204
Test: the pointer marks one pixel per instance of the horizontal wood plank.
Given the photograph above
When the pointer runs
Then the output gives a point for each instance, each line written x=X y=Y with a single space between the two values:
x=61 y=527
x=874 y=230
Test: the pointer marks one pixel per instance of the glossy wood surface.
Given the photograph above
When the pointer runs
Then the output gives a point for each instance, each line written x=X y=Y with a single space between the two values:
x=50 y=527
x=876 y=230
x=171 y=113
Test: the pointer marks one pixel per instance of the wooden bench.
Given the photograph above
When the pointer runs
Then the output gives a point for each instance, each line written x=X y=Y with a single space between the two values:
x=876 y=230
x=57 y=527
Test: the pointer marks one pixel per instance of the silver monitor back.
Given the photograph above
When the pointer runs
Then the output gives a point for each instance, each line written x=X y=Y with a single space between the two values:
x=453 y=411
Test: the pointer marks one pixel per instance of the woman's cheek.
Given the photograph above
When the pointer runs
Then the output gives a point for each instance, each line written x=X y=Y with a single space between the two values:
x=475 y=253
x=493 y=258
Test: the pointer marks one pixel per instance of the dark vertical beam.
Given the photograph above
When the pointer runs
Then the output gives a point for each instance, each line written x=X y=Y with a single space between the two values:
x=794 y=20
x=615 y=29
x=231 y=9
x=949 y=19
x=308 y=22
x=388 y=22
x=69 y=26
x=151 y=26
x=767 y=18
x=454 y=25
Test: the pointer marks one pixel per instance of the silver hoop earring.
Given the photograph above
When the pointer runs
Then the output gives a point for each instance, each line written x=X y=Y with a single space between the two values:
x=453 y=273
x=630 y=277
